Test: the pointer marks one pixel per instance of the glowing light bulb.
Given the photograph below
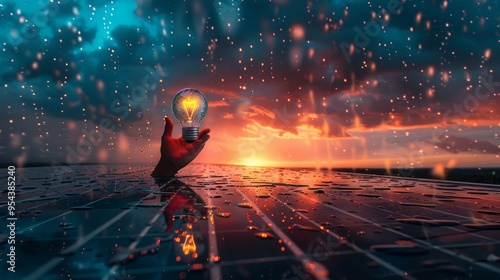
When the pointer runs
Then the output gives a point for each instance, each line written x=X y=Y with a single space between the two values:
x=190 y=107
x=189 y=245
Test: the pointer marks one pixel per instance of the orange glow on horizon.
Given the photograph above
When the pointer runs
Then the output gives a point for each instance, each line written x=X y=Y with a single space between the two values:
x=257 y=162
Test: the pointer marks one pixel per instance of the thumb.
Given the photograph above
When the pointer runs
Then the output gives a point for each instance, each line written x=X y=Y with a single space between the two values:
x=169 y=126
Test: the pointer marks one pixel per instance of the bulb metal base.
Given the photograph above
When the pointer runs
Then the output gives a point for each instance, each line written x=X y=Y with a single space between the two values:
x=190 y=134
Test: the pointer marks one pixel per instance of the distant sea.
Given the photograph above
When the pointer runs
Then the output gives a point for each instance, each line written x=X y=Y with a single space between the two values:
x=473 y=175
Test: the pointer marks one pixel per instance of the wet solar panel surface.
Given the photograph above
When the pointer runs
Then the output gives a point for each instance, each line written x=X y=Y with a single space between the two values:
x=232 y=222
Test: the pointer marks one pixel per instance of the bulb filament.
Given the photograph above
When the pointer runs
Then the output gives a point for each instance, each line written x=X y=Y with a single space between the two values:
x=189 y=245
x=189 y=106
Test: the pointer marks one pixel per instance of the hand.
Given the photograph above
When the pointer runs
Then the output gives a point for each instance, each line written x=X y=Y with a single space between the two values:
x=176 y=152
x=175 y=204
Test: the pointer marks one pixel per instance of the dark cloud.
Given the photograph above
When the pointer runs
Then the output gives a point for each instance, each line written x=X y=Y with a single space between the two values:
x=67 y=8
x=55 y=58
x=456 y=144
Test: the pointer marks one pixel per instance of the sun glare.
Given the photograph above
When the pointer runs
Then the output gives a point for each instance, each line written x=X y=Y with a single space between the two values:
x=254 y=161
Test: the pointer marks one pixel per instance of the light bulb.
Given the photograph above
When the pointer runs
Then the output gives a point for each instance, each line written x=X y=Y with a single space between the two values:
x=190 y=107
x=189 y=245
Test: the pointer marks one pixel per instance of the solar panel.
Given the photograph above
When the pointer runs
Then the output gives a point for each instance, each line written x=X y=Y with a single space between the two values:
x=235 y=222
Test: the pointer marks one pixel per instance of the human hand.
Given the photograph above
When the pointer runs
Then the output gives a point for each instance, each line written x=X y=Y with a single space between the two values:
x=175 y=204
x=176 y=152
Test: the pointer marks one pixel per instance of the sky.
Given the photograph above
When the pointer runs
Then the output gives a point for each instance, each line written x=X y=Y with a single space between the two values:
x=386 y=84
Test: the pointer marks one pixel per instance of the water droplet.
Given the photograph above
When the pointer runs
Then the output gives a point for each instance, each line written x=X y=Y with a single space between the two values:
x=245 y=205
x=71 y=193
x=488 y=212
x=428 y=223
x=300 y=210
x=124 y=256
x=284 y=193
x=318 y=270
x=149 y=205
x=369 y=195
x=416 y=204
x=197 y=267
x=81 y=208
x=302 y=227
x=400 y=248
x=264 y=235
x=224 y=214
x=492 y=258
x=67 y=226
x=486 y=226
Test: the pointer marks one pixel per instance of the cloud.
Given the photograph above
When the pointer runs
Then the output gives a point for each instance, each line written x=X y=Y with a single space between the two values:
x=277 y=65
x=259 y=110
x=228 y=116
x=218 y=103
x=456 y=144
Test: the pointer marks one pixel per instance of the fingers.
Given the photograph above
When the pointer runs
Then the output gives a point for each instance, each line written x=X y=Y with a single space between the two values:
x=200 y=143
x=169 y=126
x=169 y=219
x=203 y=132
x=202 y=139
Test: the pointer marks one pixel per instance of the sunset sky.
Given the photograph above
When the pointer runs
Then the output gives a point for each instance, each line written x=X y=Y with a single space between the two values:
x=334 y=83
